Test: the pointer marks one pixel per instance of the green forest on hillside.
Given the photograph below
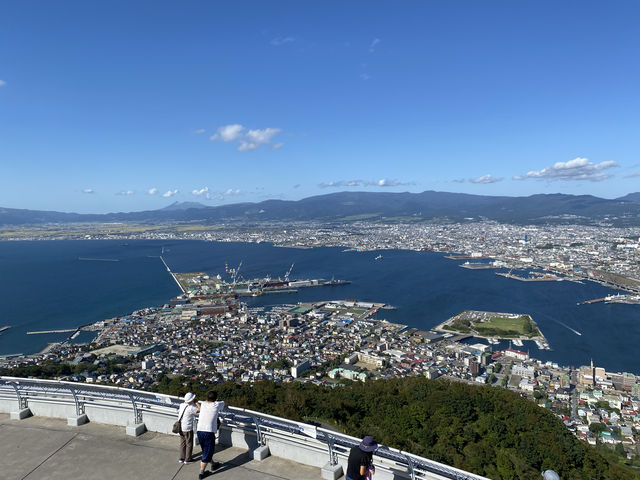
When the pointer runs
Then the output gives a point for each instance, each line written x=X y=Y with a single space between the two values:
x=488 y=431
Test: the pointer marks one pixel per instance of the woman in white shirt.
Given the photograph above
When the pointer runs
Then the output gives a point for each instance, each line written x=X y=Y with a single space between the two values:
x=187 y=414
x=207 y=428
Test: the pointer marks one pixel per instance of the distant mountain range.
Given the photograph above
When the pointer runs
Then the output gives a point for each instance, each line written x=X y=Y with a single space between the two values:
x=372 y=206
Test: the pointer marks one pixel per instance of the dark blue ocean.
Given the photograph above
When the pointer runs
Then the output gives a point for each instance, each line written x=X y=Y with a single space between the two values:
x=46 y=285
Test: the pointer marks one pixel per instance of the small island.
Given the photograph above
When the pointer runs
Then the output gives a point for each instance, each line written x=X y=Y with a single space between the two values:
x=494 y=325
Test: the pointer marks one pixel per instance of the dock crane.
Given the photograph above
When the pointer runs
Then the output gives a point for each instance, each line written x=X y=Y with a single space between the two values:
x=286 y=275
x=235 y=273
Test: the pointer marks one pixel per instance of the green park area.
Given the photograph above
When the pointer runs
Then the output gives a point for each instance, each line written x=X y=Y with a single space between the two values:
x=508 y=327
x=489 y=324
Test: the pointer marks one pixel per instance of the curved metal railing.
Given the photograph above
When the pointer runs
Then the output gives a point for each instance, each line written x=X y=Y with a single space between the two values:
x=333 y=444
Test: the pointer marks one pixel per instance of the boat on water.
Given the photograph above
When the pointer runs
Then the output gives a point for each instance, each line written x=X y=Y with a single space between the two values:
x=378 y=257
x=6 y=327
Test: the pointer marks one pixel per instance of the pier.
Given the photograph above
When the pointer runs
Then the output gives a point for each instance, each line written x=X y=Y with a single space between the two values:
x=172 y=275
x=64 y=330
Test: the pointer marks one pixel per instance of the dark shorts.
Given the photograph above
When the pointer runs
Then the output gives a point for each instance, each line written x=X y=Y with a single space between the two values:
x=207 y=441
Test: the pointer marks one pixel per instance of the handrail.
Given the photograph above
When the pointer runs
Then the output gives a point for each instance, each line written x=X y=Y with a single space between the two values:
x=262 y=424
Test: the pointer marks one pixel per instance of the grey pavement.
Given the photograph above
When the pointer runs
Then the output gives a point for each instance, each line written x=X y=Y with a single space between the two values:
x=47 y=448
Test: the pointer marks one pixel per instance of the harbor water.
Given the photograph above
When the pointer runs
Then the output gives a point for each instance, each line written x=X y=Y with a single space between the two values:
x=52 y=285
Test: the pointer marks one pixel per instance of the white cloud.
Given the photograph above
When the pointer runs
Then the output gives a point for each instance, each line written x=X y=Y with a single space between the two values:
x=199 y=131
x=230 y=192
x=365 y=76
x=2 y=83
x=125 y=192
x=202 y=191
x=88 y=190
x=247 y=146
x=262 y=136
x=486 y=179
x=152 y=191
x=227 y=133
x=276 y=42
x=249 y=140
x=632 y=175
x=576 y=169
x=383 y=182
x=374 y=42
x=170 y=193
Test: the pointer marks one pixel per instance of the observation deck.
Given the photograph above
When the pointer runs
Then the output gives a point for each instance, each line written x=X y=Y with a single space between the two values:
x=65 y=430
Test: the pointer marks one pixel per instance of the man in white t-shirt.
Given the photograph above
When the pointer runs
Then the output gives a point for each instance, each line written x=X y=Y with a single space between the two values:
x=207 y=428
x=187 y=414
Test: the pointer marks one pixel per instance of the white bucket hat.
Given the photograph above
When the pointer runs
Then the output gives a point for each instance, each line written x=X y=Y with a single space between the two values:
x=189 y=397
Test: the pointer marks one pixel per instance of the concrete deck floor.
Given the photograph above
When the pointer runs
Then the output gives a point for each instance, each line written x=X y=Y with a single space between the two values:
x=47 y=448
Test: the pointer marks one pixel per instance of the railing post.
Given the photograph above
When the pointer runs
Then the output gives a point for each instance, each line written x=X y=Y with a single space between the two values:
x=22 y=401
x=79 y=405
x=261 y=440
x=80 y=417
x=333 y=457
x=137 y=417
x=23 y=407
x=331 y=470
x=410 y=465
x=137 y=427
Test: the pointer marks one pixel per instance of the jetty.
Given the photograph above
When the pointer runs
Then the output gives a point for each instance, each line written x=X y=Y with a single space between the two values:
x=64 y=330
x=172 y=275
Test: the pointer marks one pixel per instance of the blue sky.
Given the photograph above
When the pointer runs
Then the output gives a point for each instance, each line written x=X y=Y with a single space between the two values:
x=124 y=106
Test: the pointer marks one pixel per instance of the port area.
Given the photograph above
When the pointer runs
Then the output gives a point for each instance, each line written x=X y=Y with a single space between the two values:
x=200 y=285
x=343 y=311
x=619 y=298
x=534 y=276
x=495 y=326
x=479 y=265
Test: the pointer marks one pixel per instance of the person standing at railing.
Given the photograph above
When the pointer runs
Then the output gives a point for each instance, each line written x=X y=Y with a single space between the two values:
x=360 y=463
x=186 y=415
x=207 y=428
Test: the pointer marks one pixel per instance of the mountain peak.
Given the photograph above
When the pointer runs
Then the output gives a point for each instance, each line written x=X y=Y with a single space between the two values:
x=183 y=206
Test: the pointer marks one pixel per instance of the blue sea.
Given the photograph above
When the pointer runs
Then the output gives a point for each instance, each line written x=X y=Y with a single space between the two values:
x=63 y=284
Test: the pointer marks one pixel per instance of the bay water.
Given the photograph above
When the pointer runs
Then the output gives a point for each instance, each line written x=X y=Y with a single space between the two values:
x=49 y=285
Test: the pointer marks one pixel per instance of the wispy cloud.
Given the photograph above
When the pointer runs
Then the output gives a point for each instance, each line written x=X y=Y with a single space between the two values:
x=209 y=195
x=458 y=180
x=278 y=41
x=199 y=131
x=248 y=140
x=170 y=193
x=88 y=190
x=152 y=191
x=297 y=185
x=576 y=169
x=125 y=192
x=383 y=182
x=365 y=76
x=372 y=46
x=486 y=179
x=2 y=83
x=632 y=175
